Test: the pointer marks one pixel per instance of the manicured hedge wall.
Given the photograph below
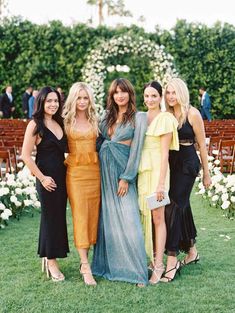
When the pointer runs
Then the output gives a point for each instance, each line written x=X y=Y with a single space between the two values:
x=54 y=54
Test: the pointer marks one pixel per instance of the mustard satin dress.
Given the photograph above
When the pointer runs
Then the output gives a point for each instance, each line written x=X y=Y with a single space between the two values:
x=83 y=186
x=149 y=169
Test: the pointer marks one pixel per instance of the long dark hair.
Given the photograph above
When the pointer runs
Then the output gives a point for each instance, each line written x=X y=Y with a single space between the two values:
x=112 y=107
x=38 y=115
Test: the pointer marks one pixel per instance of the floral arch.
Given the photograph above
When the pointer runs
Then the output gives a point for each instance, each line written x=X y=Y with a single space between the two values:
x=97 y=65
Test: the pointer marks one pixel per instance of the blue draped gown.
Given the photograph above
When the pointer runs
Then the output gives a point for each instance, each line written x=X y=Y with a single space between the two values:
x=119 y=253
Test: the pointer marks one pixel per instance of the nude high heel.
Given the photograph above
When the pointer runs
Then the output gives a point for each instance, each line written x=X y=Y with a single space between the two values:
x=88 y=283
x=45 y=268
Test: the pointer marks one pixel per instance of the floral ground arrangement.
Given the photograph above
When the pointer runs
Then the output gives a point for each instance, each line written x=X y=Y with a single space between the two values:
x=17 y=196
x=207 y=286
x=221 y=193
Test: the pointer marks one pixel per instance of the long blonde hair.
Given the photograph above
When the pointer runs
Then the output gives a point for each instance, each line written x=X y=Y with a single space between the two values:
x=182 y=96
x=69 y=111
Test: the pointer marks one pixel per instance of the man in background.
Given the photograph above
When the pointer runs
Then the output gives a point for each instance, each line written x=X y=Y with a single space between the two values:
x=205 y=104
x=25 y=101
x=6 y=103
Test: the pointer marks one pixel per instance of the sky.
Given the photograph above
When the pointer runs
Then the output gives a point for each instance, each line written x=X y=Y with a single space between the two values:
x=165 y=13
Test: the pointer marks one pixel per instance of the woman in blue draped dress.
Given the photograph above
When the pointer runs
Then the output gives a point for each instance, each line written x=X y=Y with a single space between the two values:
x=119 y=253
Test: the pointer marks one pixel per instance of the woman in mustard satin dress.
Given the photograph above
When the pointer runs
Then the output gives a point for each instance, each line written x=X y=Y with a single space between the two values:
x=161 y=136
x=83 y=172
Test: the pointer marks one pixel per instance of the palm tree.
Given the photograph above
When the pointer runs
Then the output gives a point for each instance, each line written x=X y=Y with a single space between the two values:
x=114 y=8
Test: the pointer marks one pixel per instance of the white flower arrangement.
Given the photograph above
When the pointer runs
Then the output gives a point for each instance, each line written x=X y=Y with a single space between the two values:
x=17 y=195
x=97 y=65
x=221 y=193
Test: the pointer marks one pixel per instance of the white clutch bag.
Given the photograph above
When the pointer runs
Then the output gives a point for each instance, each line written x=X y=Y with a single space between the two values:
x=153 y=203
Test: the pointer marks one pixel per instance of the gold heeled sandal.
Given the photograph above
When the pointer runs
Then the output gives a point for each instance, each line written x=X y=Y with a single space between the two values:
x=88 y=283
x=45 y=268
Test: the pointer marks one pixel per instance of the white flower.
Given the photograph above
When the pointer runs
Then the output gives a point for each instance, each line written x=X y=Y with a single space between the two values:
x=232 y=199
x=209 y=194
x=225 y=205
x=18 y=191
x=8 y=212
x=37 y=204
x=5 y=191
x=18 y=203
x=224 y=197
x=11 y=183
x=28 y=202
x=215 y=198
x=2 y=206
x=4 y=216
x=33 y=196
x=210 y=158
x=20 y=164
x=215 y=152
x=13 y=199
x=201 y=191
x=217 y=162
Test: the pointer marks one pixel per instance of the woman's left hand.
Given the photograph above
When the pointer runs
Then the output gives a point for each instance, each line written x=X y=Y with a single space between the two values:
x=160 y=192
x=206 y=181
x=122 y=188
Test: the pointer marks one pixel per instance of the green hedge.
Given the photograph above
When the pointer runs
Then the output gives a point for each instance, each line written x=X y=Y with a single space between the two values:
x=55 y=54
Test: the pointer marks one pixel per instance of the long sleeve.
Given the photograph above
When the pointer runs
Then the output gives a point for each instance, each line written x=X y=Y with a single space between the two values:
x=131 y=170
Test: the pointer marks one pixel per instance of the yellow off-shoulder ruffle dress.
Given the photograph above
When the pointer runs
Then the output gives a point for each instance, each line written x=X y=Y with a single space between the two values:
x=83 y=186
x=149 y=168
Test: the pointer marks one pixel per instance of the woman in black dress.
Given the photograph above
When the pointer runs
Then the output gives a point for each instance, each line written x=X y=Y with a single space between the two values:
x=46 y=132
x=184 y=168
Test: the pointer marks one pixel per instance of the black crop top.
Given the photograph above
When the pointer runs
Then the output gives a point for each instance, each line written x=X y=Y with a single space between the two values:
x=186 y=132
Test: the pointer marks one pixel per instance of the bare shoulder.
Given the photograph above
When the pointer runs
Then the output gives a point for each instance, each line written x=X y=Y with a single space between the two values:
x=194 y=115
x=30 y=127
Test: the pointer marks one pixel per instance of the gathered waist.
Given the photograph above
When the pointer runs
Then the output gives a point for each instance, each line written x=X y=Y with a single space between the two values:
x=82 y=158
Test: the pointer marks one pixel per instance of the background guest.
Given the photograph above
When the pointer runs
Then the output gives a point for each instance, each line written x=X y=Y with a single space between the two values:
x=7 y=103
x=205 y=104
x=25 y=101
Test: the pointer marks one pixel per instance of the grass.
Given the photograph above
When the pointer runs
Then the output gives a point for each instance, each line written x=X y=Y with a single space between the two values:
x=205 y=287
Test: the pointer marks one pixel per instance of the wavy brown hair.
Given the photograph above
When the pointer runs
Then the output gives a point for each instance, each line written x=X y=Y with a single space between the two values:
x=112 y=108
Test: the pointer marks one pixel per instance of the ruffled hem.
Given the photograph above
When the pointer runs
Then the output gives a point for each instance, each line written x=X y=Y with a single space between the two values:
x=82 y=159
x=181 y=230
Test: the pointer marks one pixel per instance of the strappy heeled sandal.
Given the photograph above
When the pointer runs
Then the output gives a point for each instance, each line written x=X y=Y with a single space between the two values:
x=197 y=259
x=158 y=271
x=170 y=279
x=88 y=283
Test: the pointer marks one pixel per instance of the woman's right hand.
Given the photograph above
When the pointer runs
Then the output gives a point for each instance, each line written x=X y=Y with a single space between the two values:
x=48 y=183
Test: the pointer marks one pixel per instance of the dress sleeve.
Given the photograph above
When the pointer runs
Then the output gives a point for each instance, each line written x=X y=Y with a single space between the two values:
x=131 y=170
x=165 y=123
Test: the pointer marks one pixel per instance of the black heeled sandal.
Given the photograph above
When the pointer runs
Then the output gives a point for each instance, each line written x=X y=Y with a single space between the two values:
x=197 y=259
x=169 y=279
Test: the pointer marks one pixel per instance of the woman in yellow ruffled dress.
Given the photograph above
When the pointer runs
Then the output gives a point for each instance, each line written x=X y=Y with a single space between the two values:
x=83 y=172
x=161 y=136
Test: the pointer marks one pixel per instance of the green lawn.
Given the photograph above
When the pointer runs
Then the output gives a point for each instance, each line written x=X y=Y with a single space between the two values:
x=205 y=287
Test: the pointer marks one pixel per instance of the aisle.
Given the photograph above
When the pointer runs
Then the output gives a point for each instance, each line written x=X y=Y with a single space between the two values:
x=205 y=287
